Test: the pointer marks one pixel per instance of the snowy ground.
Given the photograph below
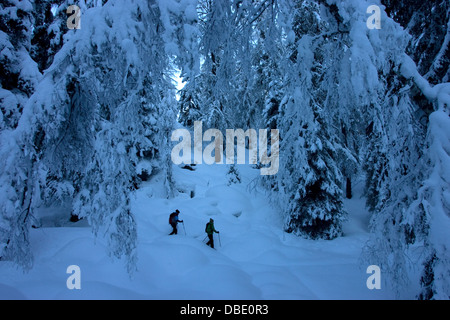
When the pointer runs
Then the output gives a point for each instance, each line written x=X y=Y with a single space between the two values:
x=254 y=259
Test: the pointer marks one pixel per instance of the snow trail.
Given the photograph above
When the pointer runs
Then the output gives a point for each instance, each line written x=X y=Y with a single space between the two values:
x=256 y=259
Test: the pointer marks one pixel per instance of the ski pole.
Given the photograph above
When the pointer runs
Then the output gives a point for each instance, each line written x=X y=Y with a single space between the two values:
x=220 y=243
x=184 y=229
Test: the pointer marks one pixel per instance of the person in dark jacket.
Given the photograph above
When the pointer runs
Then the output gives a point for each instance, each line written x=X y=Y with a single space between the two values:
x=210 y=231
x=173 y=221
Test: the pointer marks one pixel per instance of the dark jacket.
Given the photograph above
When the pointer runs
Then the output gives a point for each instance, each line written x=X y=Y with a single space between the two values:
x=174 y=219
x=210 y=228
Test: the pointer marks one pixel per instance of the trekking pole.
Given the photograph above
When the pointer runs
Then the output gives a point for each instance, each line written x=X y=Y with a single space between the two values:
x=184 y=229
x=220 y=243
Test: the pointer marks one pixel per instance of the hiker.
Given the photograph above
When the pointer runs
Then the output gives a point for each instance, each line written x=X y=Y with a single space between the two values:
x=173 y=221
x=210 y=231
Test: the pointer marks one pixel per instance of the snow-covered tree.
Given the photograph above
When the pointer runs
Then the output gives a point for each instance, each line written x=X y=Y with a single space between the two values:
x=19 y=74
x=428 y=24
x=309 y=176
x=397 y=170
x=106 y=103
x=223 y=95
x=233 y=175
x=431 y=208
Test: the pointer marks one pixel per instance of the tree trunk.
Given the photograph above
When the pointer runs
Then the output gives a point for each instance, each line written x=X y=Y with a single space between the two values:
x=348 y=188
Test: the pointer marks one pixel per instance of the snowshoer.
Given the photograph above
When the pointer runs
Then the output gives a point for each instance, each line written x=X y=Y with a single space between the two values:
x=173 y=221
x=210 y=231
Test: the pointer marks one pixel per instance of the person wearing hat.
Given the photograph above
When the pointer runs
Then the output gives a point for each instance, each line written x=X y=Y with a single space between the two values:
x=173 y=221
x=210 y=231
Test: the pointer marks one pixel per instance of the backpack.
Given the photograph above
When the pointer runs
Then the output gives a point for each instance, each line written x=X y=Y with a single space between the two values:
x=209 y=228
x=172 y=217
